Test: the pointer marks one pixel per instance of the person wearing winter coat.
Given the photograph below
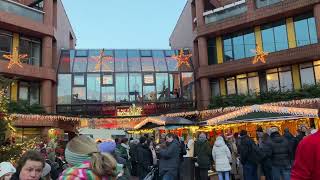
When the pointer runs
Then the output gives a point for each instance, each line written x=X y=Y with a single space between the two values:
x=133 y=154
x=222 y=158
x=202 y=152
x=144 y=158
x=169 y=156
x=307 y=162
x=266 y=163
x=281 y=153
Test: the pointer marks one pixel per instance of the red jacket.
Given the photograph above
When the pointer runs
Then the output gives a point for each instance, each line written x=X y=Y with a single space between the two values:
x=307 y=161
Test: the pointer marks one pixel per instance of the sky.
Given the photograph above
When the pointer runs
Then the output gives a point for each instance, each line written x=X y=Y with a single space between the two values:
x=123 y=24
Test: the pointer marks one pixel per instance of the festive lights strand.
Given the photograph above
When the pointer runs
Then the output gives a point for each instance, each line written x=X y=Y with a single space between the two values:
x=260 y=55
x=182 y=58
x=15 y=59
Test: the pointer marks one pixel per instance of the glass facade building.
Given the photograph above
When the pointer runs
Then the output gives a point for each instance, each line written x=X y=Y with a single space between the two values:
x=96 y=82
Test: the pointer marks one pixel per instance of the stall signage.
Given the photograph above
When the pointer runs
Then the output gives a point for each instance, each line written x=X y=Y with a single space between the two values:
x=129 y=111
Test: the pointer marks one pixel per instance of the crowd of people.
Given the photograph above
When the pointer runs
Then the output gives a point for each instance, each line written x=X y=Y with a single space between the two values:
x=236 y=156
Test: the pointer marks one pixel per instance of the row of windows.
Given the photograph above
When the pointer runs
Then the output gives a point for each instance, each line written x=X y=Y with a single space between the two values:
x=31 y=47
x=124 y=87
x=120 y=61
x=274 y=38
x=277 y=79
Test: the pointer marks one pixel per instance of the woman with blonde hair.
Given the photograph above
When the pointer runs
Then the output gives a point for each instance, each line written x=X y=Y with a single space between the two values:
x=87 y=162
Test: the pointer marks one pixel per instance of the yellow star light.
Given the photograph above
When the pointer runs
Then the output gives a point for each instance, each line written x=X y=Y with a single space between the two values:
x=100 y=58
x=15 y=60
x=182 y=58
x=260 y=55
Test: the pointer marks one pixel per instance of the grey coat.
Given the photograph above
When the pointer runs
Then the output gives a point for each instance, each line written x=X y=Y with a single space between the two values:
x=169 y=157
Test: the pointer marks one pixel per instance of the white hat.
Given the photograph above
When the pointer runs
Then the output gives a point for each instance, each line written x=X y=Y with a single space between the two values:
x=46 y=170
x=6 y=167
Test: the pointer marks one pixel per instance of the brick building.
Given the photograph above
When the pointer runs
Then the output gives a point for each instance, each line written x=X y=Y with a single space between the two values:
x=227 y=32
x=39 y=29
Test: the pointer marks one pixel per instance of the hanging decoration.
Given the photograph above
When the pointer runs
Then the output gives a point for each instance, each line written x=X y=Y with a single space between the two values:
x=15 y=59
x=100 y=59
x=260 y=55
x=131 y=111
x=182 y=58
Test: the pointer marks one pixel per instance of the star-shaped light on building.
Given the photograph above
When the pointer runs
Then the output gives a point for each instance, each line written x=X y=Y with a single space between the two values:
x=182 y=58
x=260 y=55
x=100 y=58
x=15 y=59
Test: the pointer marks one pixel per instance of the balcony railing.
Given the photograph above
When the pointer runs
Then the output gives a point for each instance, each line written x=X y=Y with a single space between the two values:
x=21 y=10
x=263 y=3
x=226 y=11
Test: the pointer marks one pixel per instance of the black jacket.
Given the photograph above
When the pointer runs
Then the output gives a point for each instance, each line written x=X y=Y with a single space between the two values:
x=202 y=151
x=246 y=149
x=266 y=149
x=169 y=157
x=281 y=152
x=144 y=160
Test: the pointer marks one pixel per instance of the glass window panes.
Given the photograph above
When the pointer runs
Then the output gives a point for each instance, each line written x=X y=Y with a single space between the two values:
x=238 y=47
x=121 y=61
x=34 y=93
x=135 y=84
x=23 y=91
x=25 y=48
x=81 y=53
x=148 y=78
x=162 y=86
x=147 y=64
x=317 y=73
x=242 y=86
x=94 y=61
x=187 y=86
x=253 y=84
x=64 y=88
x=249 y=44
x=175 y=89
x=149 y=93
x=305 y=30
x=268 y=40
x=93 y=87
x=78 y=80
x=172 y=63
x=285 y=81
x=273 y=82
x=80 y=64
x=36 y=54
x=280 y=37
x=215 y=88
x=307 y=74
x=122 y=87
x=107 y=94
x=65 y=62
x=134 y=60
x=79 y=95
x=107 y=79
x=159 y=60
x=108 y=62
x=6 y=44
x=231 y=86
x=274 y=37
x=227 y=48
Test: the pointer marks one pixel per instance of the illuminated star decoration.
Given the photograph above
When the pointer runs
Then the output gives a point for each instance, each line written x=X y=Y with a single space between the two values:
x=260 y=55
x=100 y=58
x=182 y=58
x=15 y=60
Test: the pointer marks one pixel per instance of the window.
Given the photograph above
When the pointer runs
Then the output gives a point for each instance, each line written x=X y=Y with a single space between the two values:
x=239 y=46
x=80 y=64
x=134 y=60
x=317 y=70
x=79 y=95
x=215 y=88
x=274 y=37
x=231 y=86
x=78 y=80
x=93 y=87
x=307 y=74
x=94 y=64
x=147 y=63
x=5 y=43
x=159 y=61
x=175 y=89
x=148 y=78
x=107 y=94
x=64 y=89
x=279 y=79
x=187 y=86
x=305 y=30
x=121 y=61
x=66 y=62
x=108 y=65
x=149 y=93
x=242 y=84
x=34 y=93
x=135 y=83
x=253 y=83
x=212 y=51
x=32 y=48
x=162 y=84
x=172 y=63
x=23 y=91
x=107 y=79
x=122 y=87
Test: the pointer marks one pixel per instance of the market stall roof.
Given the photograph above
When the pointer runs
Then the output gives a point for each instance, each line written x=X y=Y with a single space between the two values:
x=152 y=122
x=284 y=111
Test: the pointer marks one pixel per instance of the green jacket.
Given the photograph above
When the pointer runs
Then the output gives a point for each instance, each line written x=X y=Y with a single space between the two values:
x=202 y=151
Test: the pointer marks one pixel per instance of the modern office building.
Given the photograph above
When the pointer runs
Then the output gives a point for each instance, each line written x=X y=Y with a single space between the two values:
x=227 y=33
x=38 y=29
x=123 y=83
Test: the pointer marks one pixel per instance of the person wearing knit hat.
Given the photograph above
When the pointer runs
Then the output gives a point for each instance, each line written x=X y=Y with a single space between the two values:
x=6 y=170
x=273 y=130
x=108 y=146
